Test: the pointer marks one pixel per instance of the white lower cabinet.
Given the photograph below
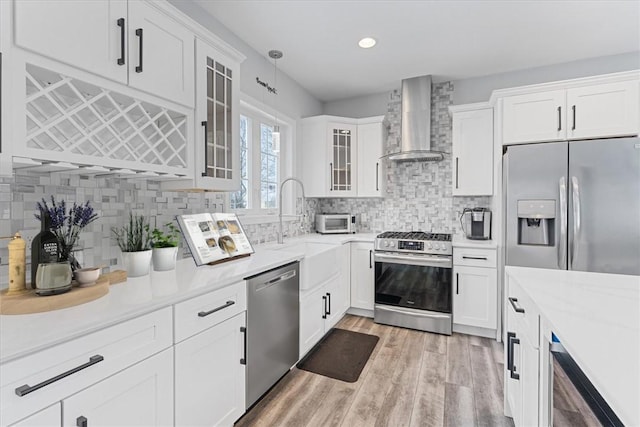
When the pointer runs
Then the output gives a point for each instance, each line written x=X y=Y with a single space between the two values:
x=362 y=276
x=141 y=395
x=521 y=359
x=49 y=417
x=475 y=288
x=210 y=375
x=320 y=309
x=475 y=297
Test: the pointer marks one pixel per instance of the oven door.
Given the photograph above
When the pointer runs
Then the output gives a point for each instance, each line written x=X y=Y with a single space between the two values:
x=421 y=282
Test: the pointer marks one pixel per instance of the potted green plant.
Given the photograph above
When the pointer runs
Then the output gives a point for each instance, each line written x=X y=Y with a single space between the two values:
x=134 y=240
x=165 y=247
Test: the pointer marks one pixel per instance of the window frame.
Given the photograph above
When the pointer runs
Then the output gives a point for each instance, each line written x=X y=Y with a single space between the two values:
x=258 y=113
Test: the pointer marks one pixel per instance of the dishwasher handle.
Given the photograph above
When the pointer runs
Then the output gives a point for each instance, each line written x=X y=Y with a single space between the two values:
x=286 y=276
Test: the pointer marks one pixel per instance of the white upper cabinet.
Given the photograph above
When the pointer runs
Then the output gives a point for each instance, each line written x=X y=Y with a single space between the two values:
x=90 y=35
x=216 y=150
x=340 y=154
x=472 y=152
x=603 y=110
x=160 y=54
x=371 y=172
x=135 y=43
x=594 y=111
x=534 y=117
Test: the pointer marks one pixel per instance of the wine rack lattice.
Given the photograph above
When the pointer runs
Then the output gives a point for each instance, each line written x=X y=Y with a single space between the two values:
x=71 y=116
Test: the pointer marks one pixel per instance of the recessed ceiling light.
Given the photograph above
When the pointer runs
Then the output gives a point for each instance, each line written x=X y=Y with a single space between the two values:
x=367 y=42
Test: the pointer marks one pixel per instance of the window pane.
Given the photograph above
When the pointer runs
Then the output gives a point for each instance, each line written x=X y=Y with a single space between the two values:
x=265 y=138
x=240 y=199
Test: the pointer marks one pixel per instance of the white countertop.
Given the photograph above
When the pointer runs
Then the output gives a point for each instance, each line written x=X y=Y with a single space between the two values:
x=463 y=242
x=24 y=334
x=596 y=316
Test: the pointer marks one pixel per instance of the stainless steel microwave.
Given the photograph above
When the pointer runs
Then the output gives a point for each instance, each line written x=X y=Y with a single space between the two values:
x=335 y=223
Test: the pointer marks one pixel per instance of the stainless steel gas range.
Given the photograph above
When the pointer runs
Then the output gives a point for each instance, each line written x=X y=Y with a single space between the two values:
x=413 y=274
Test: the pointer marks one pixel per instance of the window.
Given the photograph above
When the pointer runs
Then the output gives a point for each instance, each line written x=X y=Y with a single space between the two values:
x=260 y=165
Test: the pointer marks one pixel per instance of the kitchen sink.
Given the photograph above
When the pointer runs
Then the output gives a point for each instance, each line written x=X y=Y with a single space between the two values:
x=319 y=264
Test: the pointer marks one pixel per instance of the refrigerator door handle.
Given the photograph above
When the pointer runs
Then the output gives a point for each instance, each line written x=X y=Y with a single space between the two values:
x=562 y=246
x=575 y=199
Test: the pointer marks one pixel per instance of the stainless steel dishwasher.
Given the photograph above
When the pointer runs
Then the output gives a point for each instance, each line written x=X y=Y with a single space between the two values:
x=273 y=316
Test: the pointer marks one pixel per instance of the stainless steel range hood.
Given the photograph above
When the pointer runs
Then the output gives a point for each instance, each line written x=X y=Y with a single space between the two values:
x=416 y=122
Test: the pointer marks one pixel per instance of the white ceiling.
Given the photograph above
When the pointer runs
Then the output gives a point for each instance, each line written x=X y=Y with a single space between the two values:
x=448 y=39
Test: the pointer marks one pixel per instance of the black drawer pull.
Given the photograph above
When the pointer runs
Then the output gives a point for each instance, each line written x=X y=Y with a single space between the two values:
x=139 y=67
x=481 y=258
x=324 y=302
x=122 y=38
x=26 y=389
x=206 y=160
x=243 y=361
x=515 y=306
x=222 y=307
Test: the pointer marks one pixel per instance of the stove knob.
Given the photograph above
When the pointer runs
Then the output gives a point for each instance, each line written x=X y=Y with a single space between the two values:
x=393 y=244
x=386 y=244
x=429 y=246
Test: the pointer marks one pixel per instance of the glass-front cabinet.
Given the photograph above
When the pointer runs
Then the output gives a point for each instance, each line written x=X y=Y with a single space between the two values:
x=217 y=153
x=342 y=158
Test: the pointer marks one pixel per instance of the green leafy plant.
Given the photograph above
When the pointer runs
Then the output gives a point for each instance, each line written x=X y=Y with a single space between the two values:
x=165 y=239
x=133 y=236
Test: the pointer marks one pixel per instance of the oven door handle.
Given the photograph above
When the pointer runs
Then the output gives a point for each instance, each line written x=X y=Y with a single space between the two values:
x=426 y=261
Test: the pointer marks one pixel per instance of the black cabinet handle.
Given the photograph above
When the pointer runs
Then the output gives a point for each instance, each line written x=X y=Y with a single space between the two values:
x=573 y=125
x=139 y=67
x=122 y=39
x=206 y=160
x=81 y=421
x=515 y=306
x=559 y=118
x=456 y=172
x=514 y=374
x=510 y=336
x=457 y=284
x=370 y=256
x=26 y=389
x=243 y=361
x=482 y=258
x=331 y=176
x=377 y=186
x=329 y=303
x=206 y=313
x=324 y=301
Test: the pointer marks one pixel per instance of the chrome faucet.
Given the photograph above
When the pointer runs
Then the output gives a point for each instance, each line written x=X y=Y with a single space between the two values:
x=281 y=233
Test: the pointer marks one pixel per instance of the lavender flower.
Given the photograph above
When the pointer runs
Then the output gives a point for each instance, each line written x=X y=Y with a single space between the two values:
x=66 y=225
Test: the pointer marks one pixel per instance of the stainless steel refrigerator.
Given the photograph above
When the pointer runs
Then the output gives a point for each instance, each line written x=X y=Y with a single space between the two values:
x=574 y=205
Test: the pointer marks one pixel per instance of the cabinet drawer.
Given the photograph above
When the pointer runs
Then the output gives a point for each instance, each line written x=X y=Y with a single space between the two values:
x=475 y=257
x=527 y=321
x=50 y=375
x=205 y=311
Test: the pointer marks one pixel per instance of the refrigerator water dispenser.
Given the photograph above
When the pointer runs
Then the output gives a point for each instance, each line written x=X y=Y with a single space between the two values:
x=536 y=222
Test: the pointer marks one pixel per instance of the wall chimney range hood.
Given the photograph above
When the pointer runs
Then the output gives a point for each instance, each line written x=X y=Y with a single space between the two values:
x=416 y=122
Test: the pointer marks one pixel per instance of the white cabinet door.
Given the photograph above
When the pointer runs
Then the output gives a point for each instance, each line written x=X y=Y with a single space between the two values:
x=315 y=167
x=50 y=417
x=342 y=146
x=85 y=34
x=534 y=117
x=371 y=174
x=141 y=395
x=210 y=378
x=475 y=297
x=603 y=110
x=313 y=305
x=362 y=275
x=336 y=291
x=161 y=54
x=529 y=378
x=473 y=153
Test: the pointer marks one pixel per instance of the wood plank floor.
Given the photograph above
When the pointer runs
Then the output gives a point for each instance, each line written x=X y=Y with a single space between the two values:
x=411 y=379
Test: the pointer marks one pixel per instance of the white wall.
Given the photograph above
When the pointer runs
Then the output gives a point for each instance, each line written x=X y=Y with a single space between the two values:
x=292 y=99
x=479 y=89
x=362 y=106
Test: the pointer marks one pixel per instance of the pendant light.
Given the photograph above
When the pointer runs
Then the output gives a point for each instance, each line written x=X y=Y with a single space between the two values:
x=275 y=54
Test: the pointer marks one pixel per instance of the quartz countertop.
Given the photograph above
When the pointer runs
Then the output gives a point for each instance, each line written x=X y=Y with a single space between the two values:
x=463 y=242
x=596 y=316
x=24 y=334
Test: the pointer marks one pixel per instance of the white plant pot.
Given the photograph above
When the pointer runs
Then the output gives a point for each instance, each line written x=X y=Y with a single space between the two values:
x=164 y=258
x=137 y=263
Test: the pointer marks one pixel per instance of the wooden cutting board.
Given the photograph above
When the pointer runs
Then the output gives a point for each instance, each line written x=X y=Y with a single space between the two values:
x=27 y=302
